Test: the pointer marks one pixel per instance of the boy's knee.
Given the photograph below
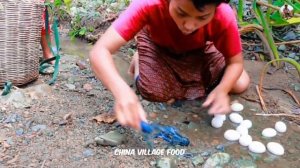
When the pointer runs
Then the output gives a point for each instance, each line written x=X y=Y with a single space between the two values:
x=242 y=84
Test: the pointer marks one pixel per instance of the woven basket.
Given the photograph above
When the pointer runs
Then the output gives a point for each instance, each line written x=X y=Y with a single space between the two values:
x=20 y=35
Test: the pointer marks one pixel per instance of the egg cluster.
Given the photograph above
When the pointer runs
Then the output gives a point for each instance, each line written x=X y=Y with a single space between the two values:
x=241 y=133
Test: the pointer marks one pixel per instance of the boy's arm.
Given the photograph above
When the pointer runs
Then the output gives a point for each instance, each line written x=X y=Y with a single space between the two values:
x=218 y=99
x=127 y=107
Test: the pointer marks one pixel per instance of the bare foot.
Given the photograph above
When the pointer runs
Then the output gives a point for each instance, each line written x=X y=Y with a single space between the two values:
x=133 y=69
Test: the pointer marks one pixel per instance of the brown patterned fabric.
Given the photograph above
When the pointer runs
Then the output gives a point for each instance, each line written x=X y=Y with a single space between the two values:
x=164 y=75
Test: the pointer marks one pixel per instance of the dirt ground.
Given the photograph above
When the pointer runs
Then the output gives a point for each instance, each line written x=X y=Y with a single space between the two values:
x=40 y=137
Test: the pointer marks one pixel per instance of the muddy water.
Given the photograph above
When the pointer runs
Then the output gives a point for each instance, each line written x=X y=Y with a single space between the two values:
x=81 y=50
x=194 y=122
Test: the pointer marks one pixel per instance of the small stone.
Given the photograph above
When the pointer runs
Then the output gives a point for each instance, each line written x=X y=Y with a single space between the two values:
x=297 y=87
x=19 y=131
x=282 y=47
x=217 y=159
x=220 y=148
x=145 y=103
x=81 y=65
x=197 y=160
x=152 y=163
x=166 y=116
x=63 y=122
x=162 y=107
x=291 y=150
x=88 y=153
x=37 y=128
x=166 y=163
x=290 y=36
x=12 y=118
x=205 y=154
x=87 y=87
x=292 y=55
x=70 y=86
x=112 y=138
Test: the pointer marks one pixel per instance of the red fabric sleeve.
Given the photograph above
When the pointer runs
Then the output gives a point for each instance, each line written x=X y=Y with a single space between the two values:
x=132 y=20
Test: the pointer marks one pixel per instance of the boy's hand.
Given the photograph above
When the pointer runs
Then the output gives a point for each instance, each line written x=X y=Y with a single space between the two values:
x=128 y=109
x=218 y=102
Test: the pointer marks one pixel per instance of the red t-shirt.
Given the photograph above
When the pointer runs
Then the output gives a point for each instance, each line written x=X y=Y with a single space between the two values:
x=154 y=14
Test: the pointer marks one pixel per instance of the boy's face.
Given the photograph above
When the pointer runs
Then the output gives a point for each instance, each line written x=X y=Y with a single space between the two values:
x=187 y=17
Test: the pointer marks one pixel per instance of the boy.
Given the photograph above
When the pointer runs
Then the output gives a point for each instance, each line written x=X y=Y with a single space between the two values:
x=187 y=49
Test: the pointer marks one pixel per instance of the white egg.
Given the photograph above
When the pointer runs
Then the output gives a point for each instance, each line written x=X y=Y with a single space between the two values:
x=237 y=107
x=247 y=123
x=275 y=148
x=235 y=118
x=257 y=147
x=280 y=126
x=217 y=122
x=232 y=135
x=245 y=140
x=242 y=130
x=269 y=132
x=222 y=116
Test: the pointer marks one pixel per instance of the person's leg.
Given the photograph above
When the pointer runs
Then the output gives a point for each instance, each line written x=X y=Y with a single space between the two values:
x=46 y=50
x=242 y=84
x=133 y=70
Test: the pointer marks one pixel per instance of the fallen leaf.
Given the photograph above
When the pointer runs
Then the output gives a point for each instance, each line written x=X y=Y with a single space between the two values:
x=106 y=118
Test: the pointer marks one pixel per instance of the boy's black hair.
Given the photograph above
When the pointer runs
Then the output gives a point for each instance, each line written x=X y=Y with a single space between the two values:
x=199 y=4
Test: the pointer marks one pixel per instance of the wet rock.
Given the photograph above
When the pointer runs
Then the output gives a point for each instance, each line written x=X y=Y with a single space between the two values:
x=70 y=86
x=282 y=47
x=243 y=163
x=39 y=127
x=166 y=163
x=12 y=118
x=220 y=148
x=292 y=55
x=19 y=131
x=217 y=159
x=205 y=154
x=145 y=103
x=112 y=138
x=197 y=160
x=88 y=153
x=290 y=36
x=161 y=107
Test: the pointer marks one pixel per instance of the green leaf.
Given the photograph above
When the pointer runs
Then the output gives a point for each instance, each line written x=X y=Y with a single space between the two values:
x=82 y=31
